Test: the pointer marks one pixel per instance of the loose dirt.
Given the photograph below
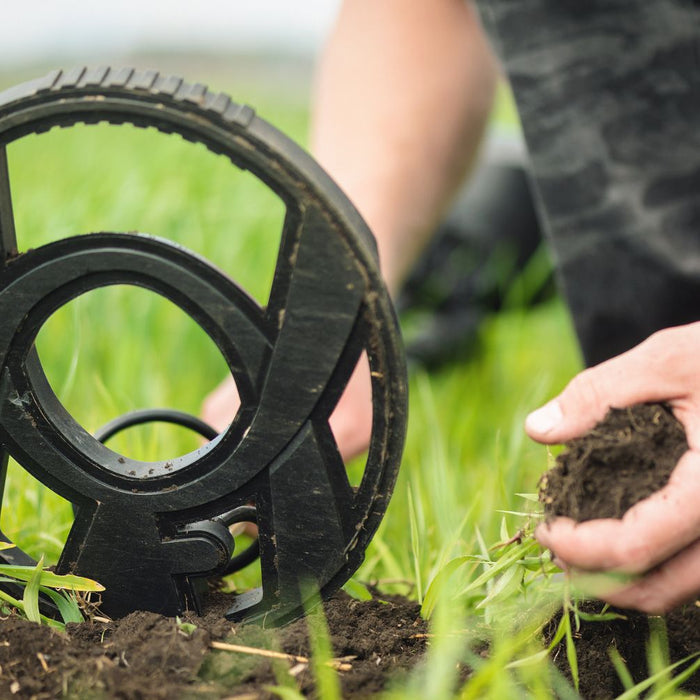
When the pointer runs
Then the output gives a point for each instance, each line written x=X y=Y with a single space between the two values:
x=145 y=655
x=624 y=459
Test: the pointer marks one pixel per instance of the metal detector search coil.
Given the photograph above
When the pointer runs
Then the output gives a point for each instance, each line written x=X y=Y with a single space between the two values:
x=152 y=533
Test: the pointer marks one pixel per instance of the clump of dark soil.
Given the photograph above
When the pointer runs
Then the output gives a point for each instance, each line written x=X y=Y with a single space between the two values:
x=624 y=459
x=145 y=655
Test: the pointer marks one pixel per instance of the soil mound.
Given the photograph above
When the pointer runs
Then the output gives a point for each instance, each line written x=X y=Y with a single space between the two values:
x=145 y=655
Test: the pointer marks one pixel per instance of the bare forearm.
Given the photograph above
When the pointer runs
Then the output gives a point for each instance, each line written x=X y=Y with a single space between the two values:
x=403 y=92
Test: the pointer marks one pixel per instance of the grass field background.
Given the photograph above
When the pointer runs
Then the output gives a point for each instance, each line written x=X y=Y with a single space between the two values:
x=118 y=349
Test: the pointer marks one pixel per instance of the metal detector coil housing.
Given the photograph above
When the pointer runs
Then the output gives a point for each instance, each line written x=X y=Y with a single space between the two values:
x=153 y=532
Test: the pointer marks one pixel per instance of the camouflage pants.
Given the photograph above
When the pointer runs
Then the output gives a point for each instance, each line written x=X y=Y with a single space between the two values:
x=609 y=97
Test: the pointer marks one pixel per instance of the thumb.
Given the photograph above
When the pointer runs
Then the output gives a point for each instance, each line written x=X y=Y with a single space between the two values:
x=634 y=377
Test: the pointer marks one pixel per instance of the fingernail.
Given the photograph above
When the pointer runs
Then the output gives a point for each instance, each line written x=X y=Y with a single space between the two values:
x=545 y=419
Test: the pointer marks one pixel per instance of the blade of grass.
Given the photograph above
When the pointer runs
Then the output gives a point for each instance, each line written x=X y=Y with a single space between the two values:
x=621 y=668
x=357 y=590
x=599 y=617
x=504 y=530
x=285 y=692
x=67 y=605
x=435 y=587
x=529 y=497
x=415 y=546
x=658 y=655
x=506 y=561
x=48 y=578
x=559 y=635
x=664 y=690
x=636 y=691
x=533 y=659
x=571 y=656
x=504 y=587
x=327 y=682
x=30 y=598
x=19 y=605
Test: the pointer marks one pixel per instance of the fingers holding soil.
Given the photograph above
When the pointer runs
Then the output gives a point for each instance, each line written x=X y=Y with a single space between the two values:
x=648 y=533
x=598 y=545
x=671 y=584
x=633 y=484
x=623 y=498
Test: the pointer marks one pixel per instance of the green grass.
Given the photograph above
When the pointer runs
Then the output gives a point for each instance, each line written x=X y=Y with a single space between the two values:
x=466 y=457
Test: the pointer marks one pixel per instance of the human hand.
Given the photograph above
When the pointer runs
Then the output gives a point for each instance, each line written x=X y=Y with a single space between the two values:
x=351 y=421
x=659 y=538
